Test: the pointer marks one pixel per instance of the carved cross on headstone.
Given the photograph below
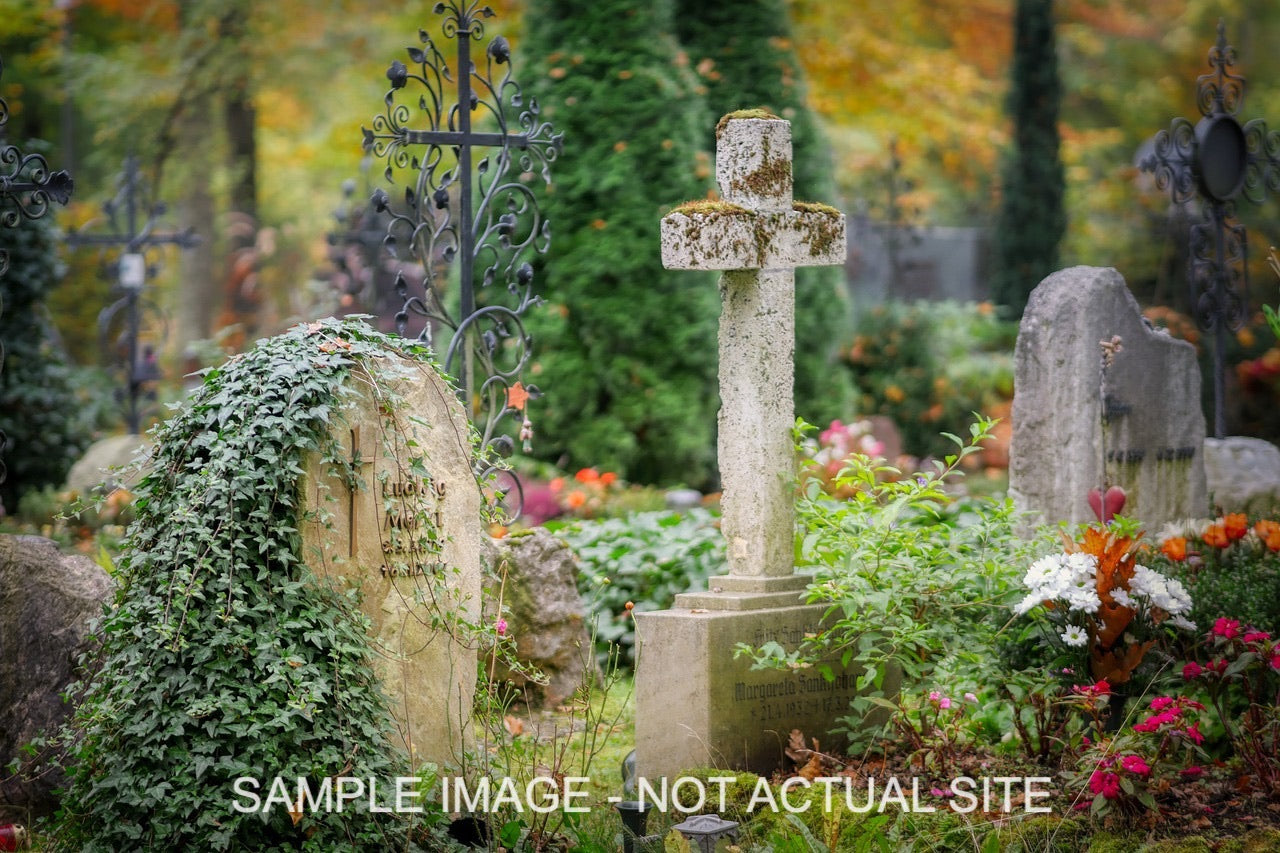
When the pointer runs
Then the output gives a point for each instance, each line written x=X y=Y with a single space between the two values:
x=361 y=457
x=757 y=235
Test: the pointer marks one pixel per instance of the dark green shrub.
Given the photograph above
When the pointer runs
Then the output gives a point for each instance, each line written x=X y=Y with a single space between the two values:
x=46 y=424
x=625 y=350
x=646 y=559
x=221 y=657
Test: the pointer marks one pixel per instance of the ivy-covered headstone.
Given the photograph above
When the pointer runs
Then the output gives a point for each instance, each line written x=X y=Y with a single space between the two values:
x=278 y=593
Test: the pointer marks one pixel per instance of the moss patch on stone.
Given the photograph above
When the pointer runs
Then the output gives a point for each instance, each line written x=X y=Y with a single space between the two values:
x=705 y=205
x=814 y=207
x=756 y=112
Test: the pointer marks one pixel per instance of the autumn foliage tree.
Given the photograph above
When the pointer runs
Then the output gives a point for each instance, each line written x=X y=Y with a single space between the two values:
x=744 y=54
x=625 y=350
x=1032 y=215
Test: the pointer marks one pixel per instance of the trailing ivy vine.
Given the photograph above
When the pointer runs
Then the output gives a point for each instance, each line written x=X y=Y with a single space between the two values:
x=221 y=657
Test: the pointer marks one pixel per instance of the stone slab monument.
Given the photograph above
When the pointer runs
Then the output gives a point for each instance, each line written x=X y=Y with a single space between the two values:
x=1083 y=423
x=696 y=705
x=406 y=532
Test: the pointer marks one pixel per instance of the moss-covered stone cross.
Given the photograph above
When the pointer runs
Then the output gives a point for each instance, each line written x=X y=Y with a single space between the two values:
x=757 y=235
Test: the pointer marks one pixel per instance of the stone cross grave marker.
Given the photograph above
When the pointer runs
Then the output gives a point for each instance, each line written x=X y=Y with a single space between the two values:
x=1141 y=428
x=408 y=537
x=696 y=704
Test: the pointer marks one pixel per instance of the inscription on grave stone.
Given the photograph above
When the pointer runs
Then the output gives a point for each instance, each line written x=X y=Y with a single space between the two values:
x=400 y=522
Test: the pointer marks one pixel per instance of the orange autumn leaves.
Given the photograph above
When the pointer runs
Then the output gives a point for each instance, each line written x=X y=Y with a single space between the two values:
x=1109 y=658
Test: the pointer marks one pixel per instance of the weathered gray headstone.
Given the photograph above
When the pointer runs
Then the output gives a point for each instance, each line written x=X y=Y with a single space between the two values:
x=544 y=614
x=696 y=704
x=1243 y=474
x=47 y=600
x=1142 y=430
x=409 y=539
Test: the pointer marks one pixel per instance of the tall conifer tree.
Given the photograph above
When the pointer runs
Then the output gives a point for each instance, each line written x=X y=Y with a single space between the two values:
x=1032 y=215
x=625 y=350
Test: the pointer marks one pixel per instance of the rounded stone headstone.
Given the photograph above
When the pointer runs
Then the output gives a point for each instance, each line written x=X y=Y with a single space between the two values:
x=47 y=600
x=1243 y=474
x=104 y=464
x=409 y=540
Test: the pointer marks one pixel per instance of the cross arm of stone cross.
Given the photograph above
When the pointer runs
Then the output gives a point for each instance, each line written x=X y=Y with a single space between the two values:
x=757 y=225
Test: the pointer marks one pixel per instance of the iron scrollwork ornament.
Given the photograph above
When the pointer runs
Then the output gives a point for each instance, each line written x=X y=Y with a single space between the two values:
x=1220 y=161
x=478 y=213
x=27 y=188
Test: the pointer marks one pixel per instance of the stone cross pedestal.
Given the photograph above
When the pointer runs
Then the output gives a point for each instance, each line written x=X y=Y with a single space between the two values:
x=696 y=705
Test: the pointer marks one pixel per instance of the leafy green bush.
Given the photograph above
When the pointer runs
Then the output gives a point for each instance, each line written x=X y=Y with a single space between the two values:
x=914 y=580
x=222 y=657
x=929 y=365
x=46 y=425
x=645 y=559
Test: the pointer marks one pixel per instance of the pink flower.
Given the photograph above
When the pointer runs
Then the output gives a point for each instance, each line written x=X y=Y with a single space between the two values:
x=1228 y=628
x=1161 y=702
x=1193 y=732
x=1155 y=721
x=501 y=627
x=1191 y=670
x=1106 y=784
x=942 y=792
x=1255 y=636
x=1218 y=666
x=1135 y=764
x=934 y=695
x=1193 y=772
x=969 y=697
x=1275 y=660
x=944 y=703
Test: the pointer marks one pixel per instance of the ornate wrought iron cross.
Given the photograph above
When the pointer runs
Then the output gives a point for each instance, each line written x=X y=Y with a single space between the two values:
x=26 y=189
x=1221 y=160
x=120 y=323
x=356 y=249
x=458 y=207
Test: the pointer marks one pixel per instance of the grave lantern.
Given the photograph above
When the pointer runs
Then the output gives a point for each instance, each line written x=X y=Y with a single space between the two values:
x=706 y=830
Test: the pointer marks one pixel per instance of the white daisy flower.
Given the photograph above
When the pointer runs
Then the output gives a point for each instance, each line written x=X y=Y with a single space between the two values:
x=1074 y=635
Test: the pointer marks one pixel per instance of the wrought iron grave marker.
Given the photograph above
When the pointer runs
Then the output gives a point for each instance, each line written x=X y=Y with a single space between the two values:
x=1221 y=160
x=122 y=319
x=479 y=212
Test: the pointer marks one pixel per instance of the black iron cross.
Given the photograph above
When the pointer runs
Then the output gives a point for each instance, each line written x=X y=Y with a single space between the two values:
x=134 y=237
x=497 y=217
x=1221 y=160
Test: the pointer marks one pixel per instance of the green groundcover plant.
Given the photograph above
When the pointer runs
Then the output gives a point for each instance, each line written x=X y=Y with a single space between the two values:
x=221 y=657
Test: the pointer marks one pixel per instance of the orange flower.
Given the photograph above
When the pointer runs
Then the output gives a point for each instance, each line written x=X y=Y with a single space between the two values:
x=575 y=499
x=1236 y=525
x=1269 y=532
x=1175 y=548
x=895 y=394
x=587 y=475
x=1216 y=535
x=608 y=478
x=557 y=484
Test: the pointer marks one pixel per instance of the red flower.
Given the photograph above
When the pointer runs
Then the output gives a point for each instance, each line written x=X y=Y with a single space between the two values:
x=587 y=475
x=1191 y=670
x=1275 y=660
x=1134 y=764
x=1193 y=732
x=1161 y=702
x=1256 y=636
x=1269 y=532
x=1106 y=784
x=608 y=478
x=1193 y=772
x=1228 y=628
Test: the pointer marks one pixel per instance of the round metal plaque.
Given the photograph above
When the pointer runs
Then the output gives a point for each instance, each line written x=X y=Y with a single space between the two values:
x=1221 y=156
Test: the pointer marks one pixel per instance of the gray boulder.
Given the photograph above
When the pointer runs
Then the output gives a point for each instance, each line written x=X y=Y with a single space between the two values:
x=545 y=613
x=1243 y=474
x=47 y=600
